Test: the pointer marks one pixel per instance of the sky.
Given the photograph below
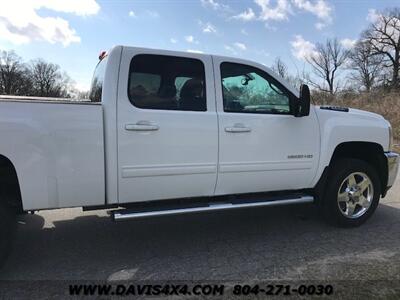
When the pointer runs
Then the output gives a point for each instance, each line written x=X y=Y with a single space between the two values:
x=71 y=33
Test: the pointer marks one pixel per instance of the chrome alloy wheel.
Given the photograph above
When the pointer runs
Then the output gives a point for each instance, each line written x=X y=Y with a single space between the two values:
x=355 y=195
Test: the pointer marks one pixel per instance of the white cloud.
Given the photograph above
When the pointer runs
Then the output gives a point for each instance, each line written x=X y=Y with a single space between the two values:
x=208 y=27
x=235 y=47
x=78 y=7
x=280 y=10
x=20 y=23
x=213 y=4
x=270 y=27
x=320 y=8
x=278 y=13
x=240 y=46
x=230 y=49
x=191 y=39
x=373 y=15
x=263 y=53
x=301 y=48
x=268 y=12
x=152 y=13
x=247 y=15
x=348 y=43
x=210 y=3
x=320 y=25
x=173 y=41
x=194 y=51
x=146 y=14
x=244 y=32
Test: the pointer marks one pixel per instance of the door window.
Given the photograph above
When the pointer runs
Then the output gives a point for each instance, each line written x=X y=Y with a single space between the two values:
x=246 y=89
x=167 y=82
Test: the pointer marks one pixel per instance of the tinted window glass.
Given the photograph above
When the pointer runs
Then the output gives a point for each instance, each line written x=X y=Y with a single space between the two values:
x=249 y=90
x=167 y=82
x=97 y=81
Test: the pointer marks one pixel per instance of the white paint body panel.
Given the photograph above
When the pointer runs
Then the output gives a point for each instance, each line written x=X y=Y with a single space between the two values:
x=57 y=151
x=179 y=159
x=353 y=126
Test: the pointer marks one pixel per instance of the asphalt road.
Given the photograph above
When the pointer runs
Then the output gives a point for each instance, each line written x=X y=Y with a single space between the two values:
x=252 y=245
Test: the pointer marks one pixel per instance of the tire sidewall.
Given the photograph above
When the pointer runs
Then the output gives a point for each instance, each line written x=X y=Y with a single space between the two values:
x=341 y=169
x=7 y=230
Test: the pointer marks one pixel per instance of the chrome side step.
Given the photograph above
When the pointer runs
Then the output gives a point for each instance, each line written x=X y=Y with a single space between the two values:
x=120 y=215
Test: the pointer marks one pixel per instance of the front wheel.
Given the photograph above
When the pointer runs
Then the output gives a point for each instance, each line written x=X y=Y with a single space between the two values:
x=7 y=229
x=352 y=193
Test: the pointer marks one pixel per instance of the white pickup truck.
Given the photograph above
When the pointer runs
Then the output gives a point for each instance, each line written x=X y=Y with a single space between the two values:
x=174 y=132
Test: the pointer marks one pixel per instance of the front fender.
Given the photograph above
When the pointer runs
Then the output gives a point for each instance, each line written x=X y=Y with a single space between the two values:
x=354 y=126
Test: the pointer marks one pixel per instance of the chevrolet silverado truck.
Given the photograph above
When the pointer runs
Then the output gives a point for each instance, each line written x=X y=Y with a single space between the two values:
x=167 y=133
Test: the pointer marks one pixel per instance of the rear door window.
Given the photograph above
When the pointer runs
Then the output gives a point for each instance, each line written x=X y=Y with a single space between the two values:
x=167 y=83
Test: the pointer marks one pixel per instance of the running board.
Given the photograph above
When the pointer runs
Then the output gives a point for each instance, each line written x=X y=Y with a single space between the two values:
x=125 y=214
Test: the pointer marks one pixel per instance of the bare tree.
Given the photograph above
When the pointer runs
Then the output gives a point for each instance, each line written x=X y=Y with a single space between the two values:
x=384 y=38
x=280 y=68
x=48 y=80
x=326 y=61
x=13 y=79
x=366 y=65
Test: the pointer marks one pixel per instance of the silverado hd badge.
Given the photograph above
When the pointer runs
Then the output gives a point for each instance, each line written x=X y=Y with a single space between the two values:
x=300 y=156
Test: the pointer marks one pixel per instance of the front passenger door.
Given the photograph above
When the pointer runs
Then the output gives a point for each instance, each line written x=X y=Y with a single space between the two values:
x=262 y=146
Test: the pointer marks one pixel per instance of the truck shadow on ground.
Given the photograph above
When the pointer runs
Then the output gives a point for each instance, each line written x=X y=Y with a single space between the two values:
x=252 y=244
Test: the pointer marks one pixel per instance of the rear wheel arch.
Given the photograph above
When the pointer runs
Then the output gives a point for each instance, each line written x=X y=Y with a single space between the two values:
x=10 y=192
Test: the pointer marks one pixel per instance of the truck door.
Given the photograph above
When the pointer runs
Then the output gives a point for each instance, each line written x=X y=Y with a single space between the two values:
x=262 y=146
x=167 y=126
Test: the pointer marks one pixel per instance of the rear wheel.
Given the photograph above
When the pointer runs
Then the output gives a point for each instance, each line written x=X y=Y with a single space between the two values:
x=7 y=229
x=352 y=193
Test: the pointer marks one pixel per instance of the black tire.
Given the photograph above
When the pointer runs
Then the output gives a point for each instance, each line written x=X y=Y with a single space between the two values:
x=7 y=230
x=341 y=169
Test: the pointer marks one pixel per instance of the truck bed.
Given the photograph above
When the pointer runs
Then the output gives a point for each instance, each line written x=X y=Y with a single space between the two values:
x=32 y=99
x=58 y=150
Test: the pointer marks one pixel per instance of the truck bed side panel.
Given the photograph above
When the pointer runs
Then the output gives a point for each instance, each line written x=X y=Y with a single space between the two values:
x=57 y=150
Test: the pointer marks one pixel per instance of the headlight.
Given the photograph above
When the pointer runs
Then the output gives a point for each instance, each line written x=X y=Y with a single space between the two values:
x=390 y=137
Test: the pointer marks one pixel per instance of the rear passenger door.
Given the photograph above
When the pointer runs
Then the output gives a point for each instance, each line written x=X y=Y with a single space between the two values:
x=167 y=126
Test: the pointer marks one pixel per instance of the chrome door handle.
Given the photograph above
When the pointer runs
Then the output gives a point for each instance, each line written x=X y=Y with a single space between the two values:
x=238 y=128
x=141 y=126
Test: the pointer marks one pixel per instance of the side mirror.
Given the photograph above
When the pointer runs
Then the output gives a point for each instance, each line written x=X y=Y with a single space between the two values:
x=302 y=108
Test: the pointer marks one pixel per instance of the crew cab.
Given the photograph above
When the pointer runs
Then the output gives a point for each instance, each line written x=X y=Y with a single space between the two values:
x=170 y=132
